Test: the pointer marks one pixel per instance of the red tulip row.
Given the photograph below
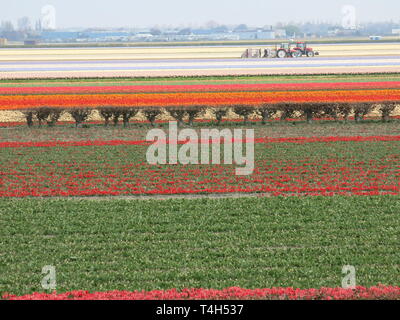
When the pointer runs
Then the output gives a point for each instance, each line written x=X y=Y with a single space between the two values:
x=359 y=293
x=116 y=173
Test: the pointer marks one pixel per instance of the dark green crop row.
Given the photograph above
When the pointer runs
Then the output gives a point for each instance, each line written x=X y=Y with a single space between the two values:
x=251 y=243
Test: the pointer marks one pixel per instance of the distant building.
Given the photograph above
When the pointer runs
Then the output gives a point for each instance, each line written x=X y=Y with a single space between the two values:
x=143 y=36
x=30 y=42
x=396 y=32
x=59 y=36
x=255 y=35
x=3 y=41
x=377 y=38
x=265 y=35
x=280 y=33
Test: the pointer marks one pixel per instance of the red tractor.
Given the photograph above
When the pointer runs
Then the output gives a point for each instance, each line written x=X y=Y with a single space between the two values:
x=303 y=50
x=285 y=50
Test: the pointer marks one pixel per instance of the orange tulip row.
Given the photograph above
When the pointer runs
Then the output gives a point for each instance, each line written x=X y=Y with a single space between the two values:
x=22 y=102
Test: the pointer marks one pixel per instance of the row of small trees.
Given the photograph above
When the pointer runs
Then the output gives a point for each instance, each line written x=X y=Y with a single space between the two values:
x=309 y=112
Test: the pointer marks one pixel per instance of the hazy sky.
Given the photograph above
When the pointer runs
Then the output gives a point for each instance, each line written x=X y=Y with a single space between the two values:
x=134 y=13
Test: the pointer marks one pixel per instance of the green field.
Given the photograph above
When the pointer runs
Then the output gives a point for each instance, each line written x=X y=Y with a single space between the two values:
x=252 y=243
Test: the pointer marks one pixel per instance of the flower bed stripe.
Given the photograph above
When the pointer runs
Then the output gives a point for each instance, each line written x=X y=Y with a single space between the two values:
x=358 y=293
x=355 y=166
x=193 y=99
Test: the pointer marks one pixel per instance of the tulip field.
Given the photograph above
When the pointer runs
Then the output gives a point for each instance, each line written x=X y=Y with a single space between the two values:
x=303 y=166
x=77 y=191
x=199 y=95
x=208 y=95
x=215 y=98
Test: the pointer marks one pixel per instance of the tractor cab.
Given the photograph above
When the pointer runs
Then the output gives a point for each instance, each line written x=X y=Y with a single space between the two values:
x=284 y=46
x=301 y=46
